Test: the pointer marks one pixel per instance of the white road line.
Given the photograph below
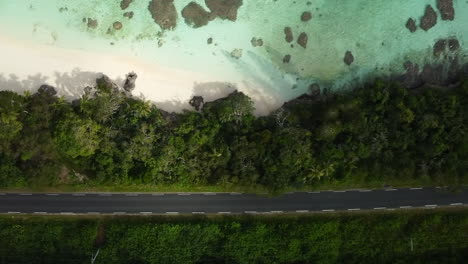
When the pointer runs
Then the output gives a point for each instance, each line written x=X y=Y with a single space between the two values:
x=40 y=212
x=365 y=190
x=276 y=212
x=430 y=205
x=209 y=194
x=26 y=194
x=172 y=212
x=198 y=212
x=391 y=209
x=93 y=213
x=416 y=188
x=313 y=192
x=157 y=194
x=339 y=191
x=146 y=212
x=250 y=212
x=380 y=208
x=405 y=206
x=234 y=193
x=67 y=213
x=131 y=194
x=302 y=211
x=389 y=190
x=456 y=204
x=224 y=212
x=105 y=194
x=438 y=187
x=119 y=212
x=354 y=209
x=184 y=194
x=52 y=194
x=13 y=212
x=78 y=194
x=328 y=210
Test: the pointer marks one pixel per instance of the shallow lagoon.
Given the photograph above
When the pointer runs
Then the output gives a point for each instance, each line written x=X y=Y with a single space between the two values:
x=373 y=32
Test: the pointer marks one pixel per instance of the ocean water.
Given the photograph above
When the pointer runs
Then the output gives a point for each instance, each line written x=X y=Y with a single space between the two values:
x=373 y=31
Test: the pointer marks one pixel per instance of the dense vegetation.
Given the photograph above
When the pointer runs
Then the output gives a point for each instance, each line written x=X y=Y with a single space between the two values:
x=436 y=237
x=381 y=133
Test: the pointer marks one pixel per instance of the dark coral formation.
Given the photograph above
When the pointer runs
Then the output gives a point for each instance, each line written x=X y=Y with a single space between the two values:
x=439 y=47
x=446 y=9
x=209 y=41
x=429 y=19
x=306 y=16
x=92 y=23
x=287 y=58
x=224 y=9
x=302 y=40
x=411 y=78
x=453 y=44
x=124 y=4
x=236 y=53
x=411 y=25
x=288 y=34
x=195 y=15
x=257 y=42
x=128 y=14
x=164 y=13
x=117 y=25
x=348 y=58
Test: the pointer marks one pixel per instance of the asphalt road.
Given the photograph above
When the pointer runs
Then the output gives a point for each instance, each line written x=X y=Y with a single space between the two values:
x=228 y=203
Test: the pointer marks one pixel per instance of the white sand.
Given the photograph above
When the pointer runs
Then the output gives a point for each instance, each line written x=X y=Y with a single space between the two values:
x=26 y=66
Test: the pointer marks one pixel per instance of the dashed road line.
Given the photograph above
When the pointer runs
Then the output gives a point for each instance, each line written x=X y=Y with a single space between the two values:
x=146 y=212
x=328 y=210
x=52 y=194
x=389 y=190
x=79 y=194
x=365 y=190
x=354 y=209
x=302 y=211
x=431 y=205
x=313 y=192
x=67 y=213
x=119 y=213
x=380 y=208
x=157 y=194
x=40 y=212
x=13 y=212
x=172 y=212
x=25 y=194
x=234 y=193
x=339 y=191
x=250 y=212
x=105 y=194
x=2 y=193
x=224 y=212
x=184 y=194
x=276 y=212
x=456 y=204
x=93 y=213
x=209 y=193
x=131 y=194
x=198 y=212
x=405 y=206
x=416 y=188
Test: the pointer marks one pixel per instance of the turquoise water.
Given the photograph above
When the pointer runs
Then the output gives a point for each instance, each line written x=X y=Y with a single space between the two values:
x=374 y=31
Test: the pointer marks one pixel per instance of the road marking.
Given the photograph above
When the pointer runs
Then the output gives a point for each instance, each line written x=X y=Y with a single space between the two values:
x=405 y=206
x=184 y=194
x=79 y=194
x=250 y=212
x=105 y=194
x=224 y=212
x=146 y=212
x=94 y=213
x=391 y=209
x=389 y=190
x=302 y=211
x=313 y=192
x=234 y=193
x=2 y=194
x=416 y=188
x=52 y=194
x=438 y=187
x=365 y=190
x=67 y=213
x=131 y=194
x=118 y=213
x=157 y=194
x=25 y=194
x=209 y=194
x=40 y=212
x=339 y=191
x=354 y=209
x=172 y=212
x=380 y=208
x=430 y=205
x=13 y=212
x=328 y=210
x=198 y=212
x=456 y=204
x=276 y=212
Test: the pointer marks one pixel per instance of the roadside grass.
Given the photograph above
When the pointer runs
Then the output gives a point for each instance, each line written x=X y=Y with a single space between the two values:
x=413 y=236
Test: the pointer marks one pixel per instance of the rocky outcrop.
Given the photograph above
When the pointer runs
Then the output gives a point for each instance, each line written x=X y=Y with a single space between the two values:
x=446 y=9
x=92 y=23
x=107 y=84
x=302 y=40
x=439 y=47
x=129 y=15
x=429 y=19
x=411 y=25
x=286 y=58
x=306 y=16
x=124 y=4
x=197 y=102
x=117 y=25
x=224 y=9
x=348 y=58
x=47 y=89
x=164 y=13
x=288 y=34
x=257 y=42
x=130 y=80
x=195 y=15
x=236 y=53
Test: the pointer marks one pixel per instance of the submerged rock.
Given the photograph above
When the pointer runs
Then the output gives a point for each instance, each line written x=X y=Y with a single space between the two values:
x=209 y=41
x=124 y=4
x=236 y=53
x=453 y=44
x=302 y=40
x=129 y=84
x=287 y=58
x=446 y=9
x=224 y=9
x=92 y=23
x=429 y=19
x=288 y=34
x=411 y=78
x=348 y=58
x=128 y=14
x=411 y=25
x=306 y=16
x=164 y=13
x=257 y=42
x=195 y=15
x=117 y=25
x=439 y=47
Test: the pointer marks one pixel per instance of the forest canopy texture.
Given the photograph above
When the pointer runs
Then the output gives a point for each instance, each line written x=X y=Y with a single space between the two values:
x=380 y=133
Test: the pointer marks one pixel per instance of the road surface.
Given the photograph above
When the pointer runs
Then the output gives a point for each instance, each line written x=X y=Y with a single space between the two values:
x=229 y=203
